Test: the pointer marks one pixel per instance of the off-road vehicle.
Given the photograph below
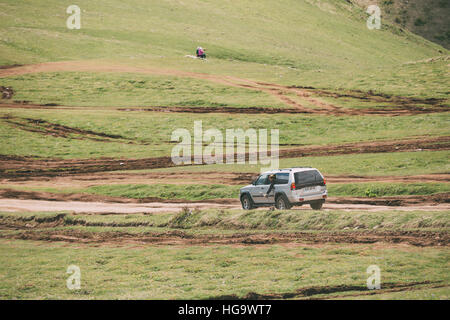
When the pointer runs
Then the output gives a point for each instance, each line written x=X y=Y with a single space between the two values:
x=293 y=186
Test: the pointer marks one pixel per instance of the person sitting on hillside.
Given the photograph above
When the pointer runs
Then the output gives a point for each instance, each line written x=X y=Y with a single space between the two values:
x=201 y=53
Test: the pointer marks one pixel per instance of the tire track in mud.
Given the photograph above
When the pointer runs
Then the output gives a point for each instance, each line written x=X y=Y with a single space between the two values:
x=394 y=201
x=177 y=237
x=11 y=167
x=310 y=292
x=400 y=105
x=57 y=130
x=207 y=177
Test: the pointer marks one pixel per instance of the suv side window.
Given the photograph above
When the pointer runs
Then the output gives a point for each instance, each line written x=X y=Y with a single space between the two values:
x=263 y=179
x=282 y=178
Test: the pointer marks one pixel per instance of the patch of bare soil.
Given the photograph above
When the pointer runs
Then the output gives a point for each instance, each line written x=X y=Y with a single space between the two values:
x=400 y=105
x=13 y=167
x=10 y=66
x=176 y=237
x=397 y=201
x=32 y=222
x=23 y=104
x=37 y=195
x=343 y=290
x=84 y=197
x=17 y=166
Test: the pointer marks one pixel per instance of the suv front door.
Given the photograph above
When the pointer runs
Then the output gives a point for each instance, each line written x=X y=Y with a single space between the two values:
x=260 y=188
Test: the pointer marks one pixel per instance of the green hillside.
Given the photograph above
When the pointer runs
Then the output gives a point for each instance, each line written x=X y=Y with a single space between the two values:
x=321 y=43
x=428 y=19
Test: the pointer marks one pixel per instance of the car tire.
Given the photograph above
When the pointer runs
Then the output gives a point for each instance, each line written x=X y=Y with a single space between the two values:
x=247 y=203
x=282 y=203
x=316 y=205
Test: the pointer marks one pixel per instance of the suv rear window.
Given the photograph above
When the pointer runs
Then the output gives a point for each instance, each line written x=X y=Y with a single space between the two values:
x=308 y=178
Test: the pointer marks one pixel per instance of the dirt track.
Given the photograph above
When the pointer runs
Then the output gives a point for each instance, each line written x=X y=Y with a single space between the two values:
x=397 y=105
x=341 y=290
x=13 y=167
x=106 y=205
x=206 y=177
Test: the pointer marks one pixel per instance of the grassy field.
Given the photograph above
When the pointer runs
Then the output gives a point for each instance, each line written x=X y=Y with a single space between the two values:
x=223 y=221
x=195 y=192
x=202 y=273
x=150 y=132
x=128 y=90
x=33 y=269
x=204 y=192
x=377 y=164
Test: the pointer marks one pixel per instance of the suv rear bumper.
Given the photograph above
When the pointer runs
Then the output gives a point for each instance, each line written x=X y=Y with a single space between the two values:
x=309 y=198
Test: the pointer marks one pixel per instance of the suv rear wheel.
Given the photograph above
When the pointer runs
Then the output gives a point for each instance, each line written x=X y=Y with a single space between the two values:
x=282 y=203
x=316 y=205
x=247 y=203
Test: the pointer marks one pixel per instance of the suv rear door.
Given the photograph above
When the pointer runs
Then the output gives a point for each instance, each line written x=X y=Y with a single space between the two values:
x=309 y=182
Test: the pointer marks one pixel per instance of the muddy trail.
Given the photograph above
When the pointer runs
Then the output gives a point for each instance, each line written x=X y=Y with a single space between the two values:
x=206 y=177
x=57 y=130
x=177 y=237
x=337 y=291
x=392 y=105
x=13 y=167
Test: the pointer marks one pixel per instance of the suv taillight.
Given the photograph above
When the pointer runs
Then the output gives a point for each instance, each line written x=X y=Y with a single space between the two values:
x=293 y=186
x=324 y=181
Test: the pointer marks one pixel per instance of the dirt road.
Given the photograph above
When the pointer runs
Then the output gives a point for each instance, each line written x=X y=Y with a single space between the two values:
x=19 y=205
x=101 y=207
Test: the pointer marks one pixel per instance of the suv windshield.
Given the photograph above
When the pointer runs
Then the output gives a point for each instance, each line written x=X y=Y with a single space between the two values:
x=308 y=178
x=263 y=179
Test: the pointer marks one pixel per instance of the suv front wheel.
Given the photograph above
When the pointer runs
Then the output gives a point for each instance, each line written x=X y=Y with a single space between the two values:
x=282 y=203
x=247 y=203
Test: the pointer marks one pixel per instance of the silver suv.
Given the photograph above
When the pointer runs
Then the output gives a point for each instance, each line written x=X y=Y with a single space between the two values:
x=293 y=186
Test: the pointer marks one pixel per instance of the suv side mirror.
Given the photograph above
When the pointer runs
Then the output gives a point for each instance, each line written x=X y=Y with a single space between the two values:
x=254 y=182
